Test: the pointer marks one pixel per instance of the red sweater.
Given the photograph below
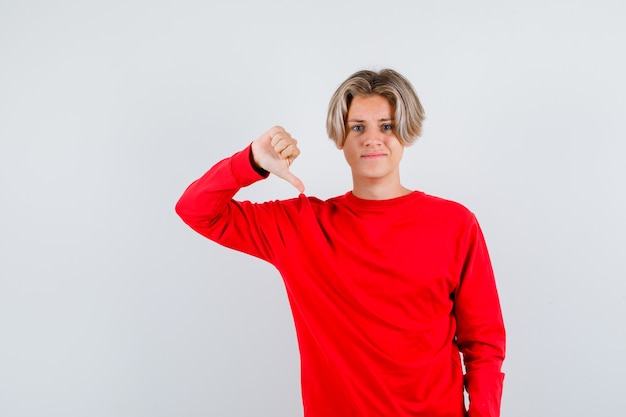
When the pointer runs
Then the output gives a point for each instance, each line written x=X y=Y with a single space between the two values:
x=384 y=294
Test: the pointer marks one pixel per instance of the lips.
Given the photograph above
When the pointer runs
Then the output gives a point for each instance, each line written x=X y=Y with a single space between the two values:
x=373 y=155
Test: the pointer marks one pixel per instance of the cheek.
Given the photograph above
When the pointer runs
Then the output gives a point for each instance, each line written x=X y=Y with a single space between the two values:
x=395 y=144
x=350 y=154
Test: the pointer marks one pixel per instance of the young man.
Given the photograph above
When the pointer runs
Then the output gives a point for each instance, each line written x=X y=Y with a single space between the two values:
x=387 y=286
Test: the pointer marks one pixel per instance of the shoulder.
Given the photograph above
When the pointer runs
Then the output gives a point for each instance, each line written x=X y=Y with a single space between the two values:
x=448 y=206
x=447 y=213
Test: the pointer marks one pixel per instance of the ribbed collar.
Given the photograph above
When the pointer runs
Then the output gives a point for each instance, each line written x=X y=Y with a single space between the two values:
x=359 y=203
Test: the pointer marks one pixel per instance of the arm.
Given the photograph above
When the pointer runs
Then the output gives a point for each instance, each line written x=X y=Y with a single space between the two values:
x=257 y=229
x=480 y=328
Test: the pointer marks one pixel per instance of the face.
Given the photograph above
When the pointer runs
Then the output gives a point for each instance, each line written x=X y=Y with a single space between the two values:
x=371 y=147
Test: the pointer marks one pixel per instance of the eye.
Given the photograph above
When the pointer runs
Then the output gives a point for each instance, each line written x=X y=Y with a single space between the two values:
x=357 y=128
x=387 y=127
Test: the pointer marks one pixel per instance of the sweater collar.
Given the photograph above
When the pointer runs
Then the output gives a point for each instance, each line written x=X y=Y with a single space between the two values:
x=356 y=202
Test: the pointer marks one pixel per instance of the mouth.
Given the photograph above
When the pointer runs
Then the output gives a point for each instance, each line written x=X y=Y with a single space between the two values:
x=373 y=156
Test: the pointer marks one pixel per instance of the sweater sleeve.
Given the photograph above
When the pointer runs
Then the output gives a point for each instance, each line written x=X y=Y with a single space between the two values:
x=480 y=327
x=258 y=229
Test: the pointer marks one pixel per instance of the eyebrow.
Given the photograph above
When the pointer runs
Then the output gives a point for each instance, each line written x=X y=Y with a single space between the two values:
x=389 y=119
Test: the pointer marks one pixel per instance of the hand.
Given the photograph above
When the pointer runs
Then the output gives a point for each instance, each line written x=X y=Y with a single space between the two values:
x=275 y=151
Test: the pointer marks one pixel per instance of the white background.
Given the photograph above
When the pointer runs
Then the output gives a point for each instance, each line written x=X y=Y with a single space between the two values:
x=111 y=306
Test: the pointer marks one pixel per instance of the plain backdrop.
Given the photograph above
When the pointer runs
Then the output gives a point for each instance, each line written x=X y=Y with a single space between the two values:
x=111 y=306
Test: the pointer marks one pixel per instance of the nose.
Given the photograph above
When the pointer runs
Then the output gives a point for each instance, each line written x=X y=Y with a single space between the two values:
x=372 y=138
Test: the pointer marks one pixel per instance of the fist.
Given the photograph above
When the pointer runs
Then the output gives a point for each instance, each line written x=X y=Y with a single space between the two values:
x=275 y=151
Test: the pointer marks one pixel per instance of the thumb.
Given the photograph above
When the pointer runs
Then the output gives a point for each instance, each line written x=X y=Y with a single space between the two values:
x=293 y=180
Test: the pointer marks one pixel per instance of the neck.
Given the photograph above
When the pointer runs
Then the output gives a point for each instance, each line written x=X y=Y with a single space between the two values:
x=378 y=190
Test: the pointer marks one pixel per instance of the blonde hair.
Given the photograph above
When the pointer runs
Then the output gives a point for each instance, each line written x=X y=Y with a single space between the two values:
x=388 y=83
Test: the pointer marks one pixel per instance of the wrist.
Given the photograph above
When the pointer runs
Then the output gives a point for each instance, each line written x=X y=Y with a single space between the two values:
x=262 y=172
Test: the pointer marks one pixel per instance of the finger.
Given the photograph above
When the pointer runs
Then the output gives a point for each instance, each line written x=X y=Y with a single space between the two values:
x=281 y=139
x=277 y=134
x=290 y=153
x=293 y=180
x=282 y=142
x=275 y=130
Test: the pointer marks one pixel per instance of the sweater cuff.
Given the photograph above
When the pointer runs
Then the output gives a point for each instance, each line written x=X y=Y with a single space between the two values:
x=243 y=169
x=485 y=392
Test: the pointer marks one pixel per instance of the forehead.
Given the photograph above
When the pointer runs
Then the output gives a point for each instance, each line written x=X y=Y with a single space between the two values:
x=371 y=106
